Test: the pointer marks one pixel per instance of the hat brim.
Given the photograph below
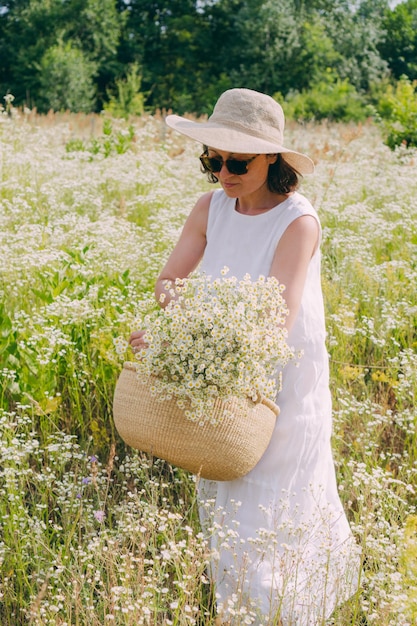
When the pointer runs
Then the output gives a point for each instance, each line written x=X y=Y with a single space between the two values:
x=222 y=137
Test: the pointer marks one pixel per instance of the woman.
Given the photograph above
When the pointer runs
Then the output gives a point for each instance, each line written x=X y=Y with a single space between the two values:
x=284 y=550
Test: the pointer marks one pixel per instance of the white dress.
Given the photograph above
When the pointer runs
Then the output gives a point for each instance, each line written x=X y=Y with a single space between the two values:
x=283 y=549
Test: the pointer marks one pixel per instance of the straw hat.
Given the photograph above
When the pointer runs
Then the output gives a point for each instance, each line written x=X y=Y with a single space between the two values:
x=247 y=122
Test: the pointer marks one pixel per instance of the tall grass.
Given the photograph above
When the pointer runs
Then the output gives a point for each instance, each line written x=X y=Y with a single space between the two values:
x=94 y=533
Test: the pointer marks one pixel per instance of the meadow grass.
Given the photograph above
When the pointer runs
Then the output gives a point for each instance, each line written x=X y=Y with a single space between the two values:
x=94 y=533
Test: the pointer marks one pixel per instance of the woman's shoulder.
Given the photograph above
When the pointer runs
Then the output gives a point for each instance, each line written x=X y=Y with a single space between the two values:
x=299 y=202
x=205 y=199
x=298 y=205
x=212 y=200
x=203 y=203
x=301 y=207
x=203 y=211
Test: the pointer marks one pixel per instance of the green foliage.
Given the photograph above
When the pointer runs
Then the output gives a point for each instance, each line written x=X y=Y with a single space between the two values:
x=95 y=25
x=28 y=30
x=164 y=38
x=397 y=113
x=128 y=99
x=356 y=34
x=189 y=51
x=399 y=46
x=409 y=561
x=67 y=390
x=66 y=78
x=316 y=55
x=334 y=100
x=110 y=142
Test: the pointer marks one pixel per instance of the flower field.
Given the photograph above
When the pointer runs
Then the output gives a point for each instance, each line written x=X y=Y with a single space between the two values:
x=93 y=533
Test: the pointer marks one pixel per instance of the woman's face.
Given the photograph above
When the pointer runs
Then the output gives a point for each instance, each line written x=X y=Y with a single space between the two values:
x=255 y=178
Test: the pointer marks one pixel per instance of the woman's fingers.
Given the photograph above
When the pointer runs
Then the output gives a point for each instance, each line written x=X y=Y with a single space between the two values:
x=137 y=340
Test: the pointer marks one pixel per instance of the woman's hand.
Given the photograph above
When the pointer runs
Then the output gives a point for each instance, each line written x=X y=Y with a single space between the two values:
x=137 y=341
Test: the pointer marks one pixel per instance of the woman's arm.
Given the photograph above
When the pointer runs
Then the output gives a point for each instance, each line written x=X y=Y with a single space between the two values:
x=183 y=259
x=190 y=247
x=292 y=257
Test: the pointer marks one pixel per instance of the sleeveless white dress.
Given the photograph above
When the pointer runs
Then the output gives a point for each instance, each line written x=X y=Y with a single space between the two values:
x=282 y=546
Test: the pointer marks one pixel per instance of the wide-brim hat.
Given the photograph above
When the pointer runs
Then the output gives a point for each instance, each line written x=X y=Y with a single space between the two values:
x=244 y=122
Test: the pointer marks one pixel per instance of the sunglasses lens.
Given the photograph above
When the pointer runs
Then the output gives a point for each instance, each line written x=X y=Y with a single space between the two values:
x=211 y=164
x=237 y=167
x=214 y=165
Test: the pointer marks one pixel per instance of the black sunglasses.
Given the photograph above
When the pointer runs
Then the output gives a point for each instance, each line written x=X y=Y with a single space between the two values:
x=215 y=164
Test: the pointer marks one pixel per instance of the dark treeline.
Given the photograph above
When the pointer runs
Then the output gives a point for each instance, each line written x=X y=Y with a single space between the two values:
x=86 y=55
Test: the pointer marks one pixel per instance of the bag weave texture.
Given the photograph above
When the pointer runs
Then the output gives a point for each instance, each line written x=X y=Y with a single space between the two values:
x=223 y=451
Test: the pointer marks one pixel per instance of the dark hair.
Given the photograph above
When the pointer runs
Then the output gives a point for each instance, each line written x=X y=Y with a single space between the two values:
x=282 y=177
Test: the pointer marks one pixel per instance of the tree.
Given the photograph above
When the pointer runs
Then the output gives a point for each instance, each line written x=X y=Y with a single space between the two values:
x=399 y=47
x=95 y=26
x=272 y=39
x=355 y=30
x=282 y=45
x=29 y=28
x=161 y=36
x=66 y=78
x=188 y=51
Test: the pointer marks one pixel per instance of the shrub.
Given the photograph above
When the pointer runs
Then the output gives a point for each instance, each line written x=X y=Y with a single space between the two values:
x=336 y=101
x=127 y=98
x=396 y=112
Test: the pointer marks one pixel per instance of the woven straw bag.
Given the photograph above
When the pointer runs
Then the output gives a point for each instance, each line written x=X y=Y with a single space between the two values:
x=224 y=451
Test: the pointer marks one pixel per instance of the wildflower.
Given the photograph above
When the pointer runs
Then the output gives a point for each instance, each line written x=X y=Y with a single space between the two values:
x=216 y=339
x=99 y=515
x=8 y=98
x=120 y=345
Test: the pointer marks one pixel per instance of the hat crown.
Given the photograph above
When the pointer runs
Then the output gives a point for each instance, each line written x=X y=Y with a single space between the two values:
x=244 y=121
x=251 y=112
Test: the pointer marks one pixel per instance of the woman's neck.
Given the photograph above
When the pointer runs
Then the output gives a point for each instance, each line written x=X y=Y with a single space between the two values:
x=256 y=205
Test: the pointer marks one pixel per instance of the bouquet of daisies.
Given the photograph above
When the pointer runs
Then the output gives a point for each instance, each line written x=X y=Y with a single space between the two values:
x=215 y=338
